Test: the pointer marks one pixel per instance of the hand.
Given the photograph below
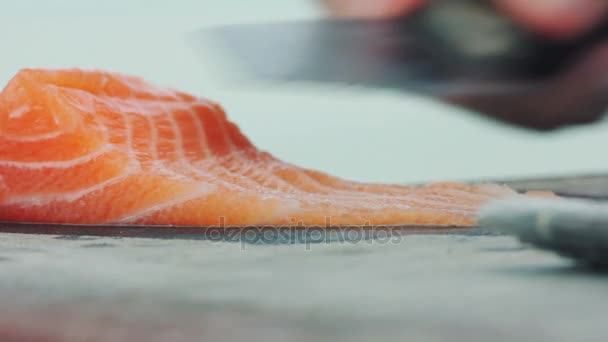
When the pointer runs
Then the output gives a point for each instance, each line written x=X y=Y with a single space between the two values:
x=558 y=18
x=579 y=95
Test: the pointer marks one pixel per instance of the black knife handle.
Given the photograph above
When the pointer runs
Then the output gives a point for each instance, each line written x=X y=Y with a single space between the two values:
x=481 y=38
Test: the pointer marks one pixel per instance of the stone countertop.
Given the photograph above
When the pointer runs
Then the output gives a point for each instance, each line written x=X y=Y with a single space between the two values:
x=457 y=287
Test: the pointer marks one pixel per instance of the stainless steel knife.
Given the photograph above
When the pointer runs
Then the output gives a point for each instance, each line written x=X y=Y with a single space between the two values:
x=463 y=51
x=574 y=228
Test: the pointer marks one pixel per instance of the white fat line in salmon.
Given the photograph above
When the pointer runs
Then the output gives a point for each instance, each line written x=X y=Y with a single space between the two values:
x=19 y=111
x=39 y=200
x=60 y=164
x=207 y=189
x=32 y=138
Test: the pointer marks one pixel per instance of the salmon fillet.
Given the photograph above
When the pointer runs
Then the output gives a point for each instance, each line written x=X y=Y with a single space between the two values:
x=97 y=147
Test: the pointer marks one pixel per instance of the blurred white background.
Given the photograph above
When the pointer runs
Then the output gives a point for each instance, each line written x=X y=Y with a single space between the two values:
x=358 y=133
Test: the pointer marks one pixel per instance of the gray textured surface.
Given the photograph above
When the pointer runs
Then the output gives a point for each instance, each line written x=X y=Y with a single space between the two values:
x=427 y=287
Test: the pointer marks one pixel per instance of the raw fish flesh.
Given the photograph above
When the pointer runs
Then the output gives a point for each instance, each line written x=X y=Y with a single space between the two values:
x=92 y=147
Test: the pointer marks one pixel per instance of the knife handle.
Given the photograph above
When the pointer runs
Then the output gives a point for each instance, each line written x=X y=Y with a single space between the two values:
x=476 y=33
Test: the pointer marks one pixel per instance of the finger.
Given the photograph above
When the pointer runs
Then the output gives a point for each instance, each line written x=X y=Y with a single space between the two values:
x=371 y=8
x=560 y=19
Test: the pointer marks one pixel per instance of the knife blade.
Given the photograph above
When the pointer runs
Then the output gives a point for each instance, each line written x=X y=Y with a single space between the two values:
x=449 y=48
